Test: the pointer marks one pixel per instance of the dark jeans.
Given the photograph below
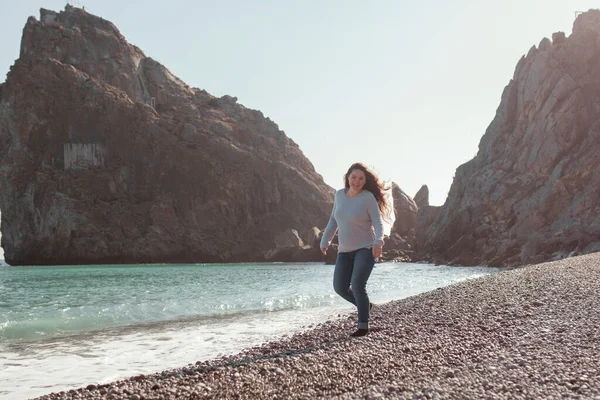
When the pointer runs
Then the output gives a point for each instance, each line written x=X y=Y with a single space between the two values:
x=352 y=270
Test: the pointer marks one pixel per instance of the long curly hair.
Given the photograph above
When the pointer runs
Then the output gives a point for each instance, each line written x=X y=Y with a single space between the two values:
x=373 y=185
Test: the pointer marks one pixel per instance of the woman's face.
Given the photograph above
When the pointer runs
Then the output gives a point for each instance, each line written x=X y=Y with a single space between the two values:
x=357 y=179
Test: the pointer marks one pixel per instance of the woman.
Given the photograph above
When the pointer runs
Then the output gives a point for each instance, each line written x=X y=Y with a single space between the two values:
x=356 y=215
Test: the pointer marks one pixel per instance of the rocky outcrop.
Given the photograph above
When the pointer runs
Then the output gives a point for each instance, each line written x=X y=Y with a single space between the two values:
x=425 y=219
x=532 y=192
x=405 y=209
x=400 y=245
x=106 y=156
x=292 y=248
x=422 y=197
x=312 y=237
x=289 y=238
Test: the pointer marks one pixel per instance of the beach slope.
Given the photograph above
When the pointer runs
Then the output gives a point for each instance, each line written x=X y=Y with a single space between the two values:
x=526 y=333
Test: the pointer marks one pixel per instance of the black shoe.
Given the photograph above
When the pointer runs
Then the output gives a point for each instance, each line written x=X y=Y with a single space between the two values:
x=360 y=332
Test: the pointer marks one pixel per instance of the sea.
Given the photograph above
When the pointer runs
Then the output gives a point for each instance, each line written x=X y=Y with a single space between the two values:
x=64 y=327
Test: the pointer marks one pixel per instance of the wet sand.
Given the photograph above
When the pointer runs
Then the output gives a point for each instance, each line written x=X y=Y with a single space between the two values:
x=527 y=333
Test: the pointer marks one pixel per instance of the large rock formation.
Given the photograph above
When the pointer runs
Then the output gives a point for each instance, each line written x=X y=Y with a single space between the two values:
x=405 y=209
x=532 y=193
x=105 y=156
x=400 y=244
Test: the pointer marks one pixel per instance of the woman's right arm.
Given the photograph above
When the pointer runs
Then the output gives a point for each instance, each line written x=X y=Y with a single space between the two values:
x=329 y=230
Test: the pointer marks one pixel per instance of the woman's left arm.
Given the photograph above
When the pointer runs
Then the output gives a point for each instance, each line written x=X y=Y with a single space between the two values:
x=375 y=215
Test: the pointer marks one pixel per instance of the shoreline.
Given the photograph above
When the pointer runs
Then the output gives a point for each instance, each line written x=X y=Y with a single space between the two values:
x=530 y=332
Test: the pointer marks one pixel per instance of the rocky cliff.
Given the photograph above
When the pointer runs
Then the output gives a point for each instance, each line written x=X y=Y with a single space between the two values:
x=105 y=156
x=532 y=192
x=400 y=244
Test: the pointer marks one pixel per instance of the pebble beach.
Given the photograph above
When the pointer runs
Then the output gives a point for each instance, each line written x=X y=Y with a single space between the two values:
x=527 y=333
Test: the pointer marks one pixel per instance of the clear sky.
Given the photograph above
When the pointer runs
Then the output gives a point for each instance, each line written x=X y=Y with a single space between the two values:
x=408 y=87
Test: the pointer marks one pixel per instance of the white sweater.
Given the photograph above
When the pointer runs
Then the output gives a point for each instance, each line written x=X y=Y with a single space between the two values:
x=357 y=220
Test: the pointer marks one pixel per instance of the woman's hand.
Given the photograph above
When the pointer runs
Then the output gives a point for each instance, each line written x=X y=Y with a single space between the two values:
x=377 y=249
x=324 y=251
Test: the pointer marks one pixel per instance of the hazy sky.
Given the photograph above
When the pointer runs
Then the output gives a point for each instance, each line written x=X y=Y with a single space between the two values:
x=408 y=87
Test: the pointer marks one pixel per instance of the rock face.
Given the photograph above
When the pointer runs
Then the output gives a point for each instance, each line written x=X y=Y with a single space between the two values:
x=105 y=156
x=405 y=210
x=532 y=192
x=400 y=245
x=425 y=219
x=422 y=197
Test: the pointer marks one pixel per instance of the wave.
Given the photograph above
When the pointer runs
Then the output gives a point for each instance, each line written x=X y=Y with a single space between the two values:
x=49 y=331
x=115 y=320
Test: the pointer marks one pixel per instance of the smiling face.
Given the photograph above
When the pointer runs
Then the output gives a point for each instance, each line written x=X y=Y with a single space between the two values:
x=357 y=180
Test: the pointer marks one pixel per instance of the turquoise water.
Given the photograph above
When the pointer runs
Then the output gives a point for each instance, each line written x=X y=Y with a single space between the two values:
x=66 y=326
x=45 y=302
